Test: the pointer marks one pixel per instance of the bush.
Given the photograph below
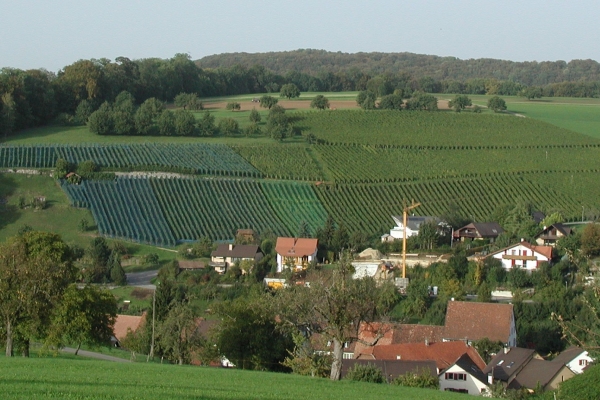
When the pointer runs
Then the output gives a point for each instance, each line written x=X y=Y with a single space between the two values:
x=233 y=106
x=422 y=379
x=365 y=373
x=228 y=126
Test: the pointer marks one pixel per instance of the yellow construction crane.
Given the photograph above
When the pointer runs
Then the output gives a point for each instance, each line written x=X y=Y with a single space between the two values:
x=404 y=222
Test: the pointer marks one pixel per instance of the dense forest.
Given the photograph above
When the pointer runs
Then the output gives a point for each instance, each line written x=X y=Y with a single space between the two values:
x=38 y=97
x=315 y=62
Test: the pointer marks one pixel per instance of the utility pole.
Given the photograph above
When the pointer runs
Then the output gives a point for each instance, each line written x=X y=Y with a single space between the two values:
x=151 y=355
x=404 y=221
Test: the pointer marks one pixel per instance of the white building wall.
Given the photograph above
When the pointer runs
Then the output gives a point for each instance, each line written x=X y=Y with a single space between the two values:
x=519 y=250
x=364 y=269
x=580 y=362
x=472 y=385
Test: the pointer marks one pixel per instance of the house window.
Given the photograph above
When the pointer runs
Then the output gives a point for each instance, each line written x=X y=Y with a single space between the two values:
x=583 y=363
x=514 y=252
x=348 y=356
x=451 y=376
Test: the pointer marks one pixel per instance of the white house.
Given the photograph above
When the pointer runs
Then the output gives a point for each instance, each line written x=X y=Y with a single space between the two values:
x=523 y=255
x=464 y=376
x=298 y=252
x=575 y=358
x=413 y=223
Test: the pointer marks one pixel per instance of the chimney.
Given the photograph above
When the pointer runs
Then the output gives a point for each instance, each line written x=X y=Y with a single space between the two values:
x=426 y=342
x=398 y=357
x=490 y=379
x=506 y=349
x=522 y=239
x=230 y=246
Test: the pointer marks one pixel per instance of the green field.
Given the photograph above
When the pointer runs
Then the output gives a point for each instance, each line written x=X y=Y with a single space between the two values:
x=62 y=378
x=434 y=129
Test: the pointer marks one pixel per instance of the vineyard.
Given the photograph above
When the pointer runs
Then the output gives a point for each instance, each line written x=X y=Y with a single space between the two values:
x=124 y=208
x=369 y=163
x=280 y=161
x=369 y=207
x=294 y=203
x=373 y=164
x=164 y=211
x=434 y=129
x=215 y=159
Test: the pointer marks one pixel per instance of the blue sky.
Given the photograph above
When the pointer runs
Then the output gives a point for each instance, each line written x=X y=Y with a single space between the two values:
x=52 y=34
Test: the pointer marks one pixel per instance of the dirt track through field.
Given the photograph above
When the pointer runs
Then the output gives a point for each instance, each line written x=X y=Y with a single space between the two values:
x=287 y=104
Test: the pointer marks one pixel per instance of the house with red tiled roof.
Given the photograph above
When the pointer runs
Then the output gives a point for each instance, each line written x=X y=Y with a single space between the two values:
x=380 y=333
x=523 y=255
x=443 y=353
x=297 y=252
x=125 y=324
x=470 y=321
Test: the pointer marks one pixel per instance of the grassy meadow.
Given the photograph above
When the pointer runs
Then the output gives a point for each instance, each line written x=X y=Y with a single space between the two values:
x=67 y=377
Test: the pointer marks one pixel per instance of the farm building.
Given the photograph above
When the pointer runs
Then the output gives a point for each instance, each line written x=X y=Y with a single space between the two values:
x=523 y=255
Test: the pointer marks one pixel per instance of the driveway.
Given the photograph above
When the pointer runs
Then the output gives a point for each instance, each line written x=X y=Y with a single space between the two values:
x=141 y=279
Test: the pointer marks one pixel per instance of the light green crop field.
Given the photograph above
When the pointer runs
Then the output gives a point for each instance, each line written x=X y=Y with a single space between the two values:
x=62 y=378
x=577 y=114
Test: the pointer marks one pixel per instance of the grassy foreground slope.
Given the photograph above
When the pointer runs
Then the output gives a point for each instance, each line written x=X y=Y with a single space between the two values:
x=89 y=379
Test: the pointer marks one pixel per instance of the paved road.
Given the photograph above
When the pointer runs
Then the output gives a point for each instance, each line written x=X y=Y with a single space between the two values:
x=91 y=354
x=141 y=279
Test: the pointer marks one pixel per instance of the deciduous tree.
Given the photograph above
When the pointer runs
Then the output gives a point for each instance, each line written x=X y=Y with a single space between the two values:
x=391 y=102
x=254 y=116
x=460 y=102
x=335 y=307
x=289 y=91
x=320 y=102
x=228 y=126
x=83 y=316
x=35 y=269
x=496 y=104
x=267 y=101
x=185 y=123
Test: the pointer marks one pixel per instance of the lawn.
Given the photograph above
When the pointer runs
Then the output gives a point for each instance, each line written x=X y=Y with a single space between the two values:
x=58 y=216
x=61 y=377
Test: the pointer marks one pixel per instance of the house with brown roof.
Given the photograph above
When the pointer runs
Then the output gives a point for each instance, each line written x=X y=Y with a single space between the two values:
x=470 y=321
x=295 y=252
x=464 y=376
x=520 y=368
x=392 y=369
x=125 y=324
x=576 y=358
x=228 y=254
x=443 y=353
x=523 y=255
x=478 y=230
x=551 y=234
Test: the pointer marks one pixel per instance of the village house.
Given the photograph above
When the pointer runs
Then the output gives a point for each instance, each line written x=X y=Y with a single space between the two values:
x=125 y=324
x=471 y=321
x=523 y=255
x=518 y=368
x=228 y=254
x=575 y=358
x=478 y=231
x=295 y=252
x=464 y=376
x=551 y=234
x=413 y=224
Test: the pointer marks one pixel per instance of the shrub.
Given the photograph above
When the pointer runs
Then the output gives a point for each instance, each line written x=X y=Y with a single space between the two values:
x=365 y=373
x=422 y=379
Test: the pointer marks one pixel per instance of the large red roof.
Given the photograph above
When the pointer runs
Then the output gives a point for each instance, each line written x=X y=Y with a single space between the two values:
x=295 y=247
